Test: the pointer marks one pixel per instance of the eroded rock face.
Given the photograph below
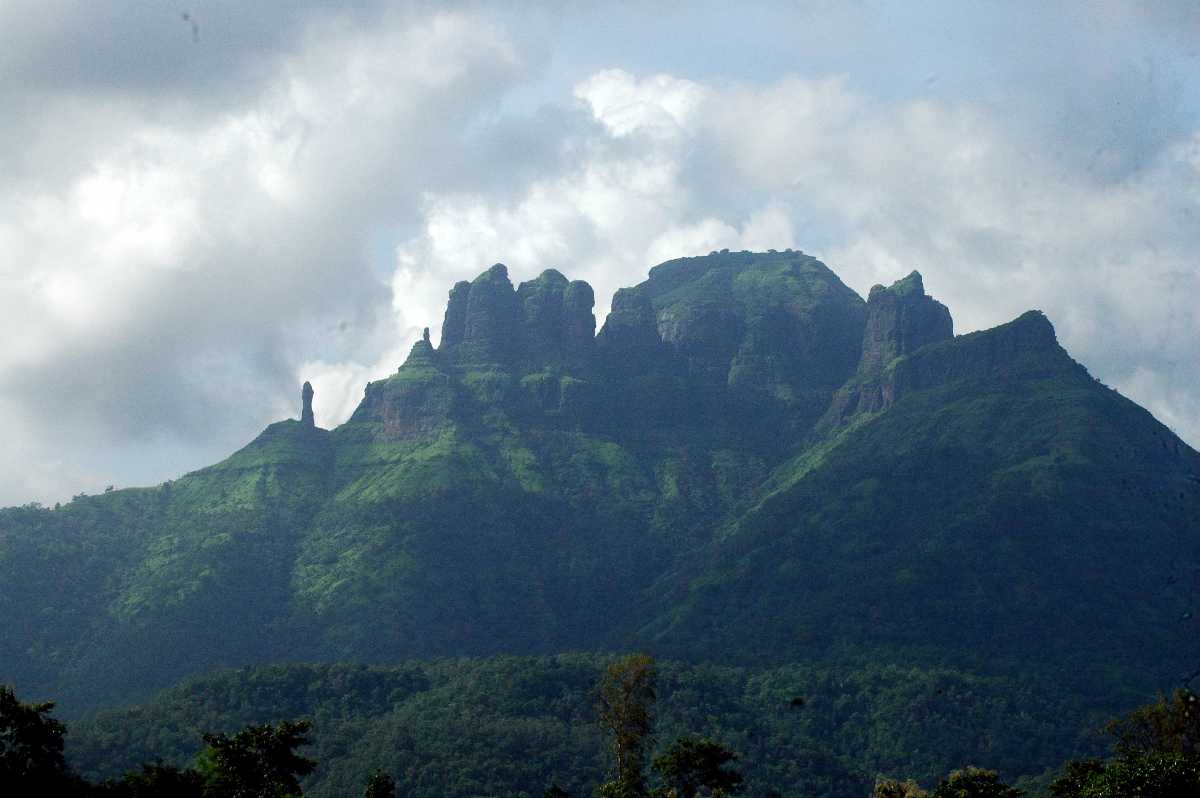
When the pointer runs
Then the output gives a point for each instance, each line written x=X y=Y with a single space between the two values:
x=455 y=323
x=772 y=335
x=629 y=342
x=901 y=319
x=491 y=319
x=306 y=411
x=759 y=340
x=1026 y=344
x=556 y=322
x=417 y=400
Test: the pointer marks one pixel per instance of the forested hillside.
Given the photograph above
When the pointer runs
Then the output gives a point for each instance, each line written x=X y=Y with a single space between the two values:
x=514 y=725
x=749 y=465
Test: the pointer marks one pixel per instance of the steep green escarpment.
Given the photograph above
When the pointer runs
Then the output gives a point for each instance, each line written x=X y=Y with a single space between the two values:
x=746 y=463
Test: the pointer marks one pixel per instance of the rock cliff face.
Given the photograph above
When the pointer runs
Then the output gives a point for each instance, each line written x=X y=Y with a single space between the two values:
x=556 y=322
x=900 y=320
x=772 y=344
x=629 y=343
x=1026 y=345
x=418 y=400
x=545 y=321
x=491 y=319
x=455 y=323
x=778 y=326
x=908 y=345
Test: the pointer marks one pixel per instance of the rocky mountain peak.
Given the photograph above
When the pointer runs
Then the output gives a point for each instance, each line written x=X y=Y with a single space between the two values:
x=544 y=321
x=901 y=319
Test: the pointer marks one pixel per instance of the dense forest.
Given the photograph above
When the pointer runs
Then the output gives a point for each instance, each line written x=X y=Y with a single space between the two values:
x=525 y=728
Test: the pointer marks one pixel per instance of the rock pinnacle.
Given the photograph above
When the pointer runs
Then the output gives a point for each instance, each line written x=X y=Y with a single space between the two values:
x=306 y=411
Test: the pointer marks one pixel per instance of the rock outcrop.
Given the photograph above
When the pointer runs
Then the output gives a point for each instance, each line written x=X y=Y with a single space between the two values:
x=547 y=321
x=417 y=400
x=556 y=322
x=908 y=346
x=491 y=319
x=455 y=323
x=901 y=319
x=763 y=345
x=1026 y=346
x=629 y=343
x=306 y=410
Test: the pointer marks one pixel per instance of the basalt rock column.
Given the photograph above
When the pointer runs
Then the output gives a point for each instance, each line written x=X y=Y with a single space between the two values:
x=306 y=411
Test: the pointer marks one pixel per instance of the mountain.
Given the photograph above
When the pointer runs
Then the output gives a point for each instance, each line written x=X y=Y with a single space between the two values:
x=747 y=464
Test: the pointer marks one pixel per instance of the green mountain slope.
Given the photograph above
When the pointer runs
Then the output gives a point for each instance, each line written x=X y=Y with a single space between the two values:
x=1005 y=512
x=747 y=463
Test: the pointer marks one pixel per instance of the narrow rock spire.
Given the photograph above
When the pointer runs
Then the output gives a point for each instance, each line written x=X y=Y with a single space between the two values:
x=306 y=413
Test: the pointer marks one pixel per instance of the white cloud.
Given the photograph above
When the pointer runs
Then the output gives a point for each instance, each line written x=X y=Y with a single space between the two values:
x=977 y=200
x=660 y=106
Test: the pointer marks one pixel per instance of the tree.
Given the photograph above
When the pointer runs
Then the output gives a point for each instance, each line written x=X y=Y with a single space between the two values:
x=626 y=706
x=973 y=782
x=894 y=788
x=154 y=781
x=31 y=747
x=1157 y=753
x=381 y=784
x=257 y=762
x=1168 y=726
x=692 y=764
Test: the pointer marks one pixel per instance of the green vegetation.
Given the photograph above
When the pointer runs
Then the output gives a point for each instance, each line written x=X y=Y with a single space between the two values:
x=515 y=725
x=524 y=727
x=944 y=546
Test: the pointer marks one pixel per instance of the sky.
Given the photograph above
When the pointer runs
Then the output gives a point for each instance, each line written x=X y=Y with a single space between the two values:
x=205 y=203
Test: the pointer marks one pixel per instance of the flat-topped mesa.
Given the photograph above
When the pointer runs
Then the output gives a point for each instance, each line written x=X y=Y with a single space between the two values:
x=901 y=319
x=306 y=411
